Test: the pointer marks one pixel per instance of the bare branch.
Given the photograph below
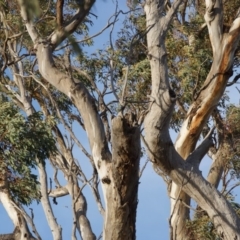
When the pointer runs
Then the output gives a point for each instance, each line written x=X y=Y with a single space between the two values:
x=59 y=11
x=63 y=121
x=234 y=186
x=58 y=192
x=214 y=20
x=94 y=188
x=112 y=80
x=28 y=22
x=196 y=156
x=143 y=168
x=170 y=14
x=61 y=34
x=235 y=79
x=122 y=101
x=89 y=38
x=55 y=228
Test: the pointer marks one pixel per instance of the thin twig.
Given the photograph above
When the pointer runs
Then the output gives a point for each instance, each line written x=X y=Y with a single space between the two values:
x=122 y=101
x=28 y=219
x=234 y=80
x=109 y=24
x=235 y=185
x=63 y=121
x=143 y=168
x=111 y=80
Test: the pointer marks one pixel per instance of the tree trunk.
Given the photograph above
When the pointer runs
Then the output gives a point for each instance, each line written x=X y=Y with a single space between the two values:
x=118 y=173
x=16 y=235
x=79 y=203
x=115 y=183
x=121 y=199
x=186 y=176
x=224 y=46
x=21 y=231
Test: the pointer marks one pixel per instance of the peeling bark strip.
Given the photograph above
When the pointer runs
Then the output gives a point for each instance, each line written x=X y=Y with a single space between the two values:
x=186 y=175
x=224 y=47
x=121 y=199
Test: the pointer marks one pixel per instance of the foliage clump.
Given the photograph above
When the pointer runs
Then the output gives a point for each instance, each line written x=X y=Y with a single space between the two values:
x=23 y=142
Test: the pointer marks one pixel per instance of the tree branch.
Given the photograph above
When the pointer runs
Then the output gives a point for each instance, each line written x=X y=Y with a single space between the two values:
x=59 y=11
x=58 y=192
x=235 y=79
x=88 y=38
x=214 y=20
x=28 y=22
x=196 y=156
x=60 y=35
x=159 y=145
x=170 y=14
x=55 y=228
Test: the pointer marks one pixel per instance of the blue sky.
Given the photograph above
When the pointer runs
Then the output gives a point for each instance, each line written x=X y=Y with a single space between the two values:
x=153 y=207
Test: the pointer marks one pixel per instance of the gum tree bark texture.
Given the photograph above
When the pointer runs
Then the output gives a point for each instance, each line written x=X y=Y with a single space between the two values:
x=118 y=171
x=187 y=179
x=224 y=46
x=122 y=198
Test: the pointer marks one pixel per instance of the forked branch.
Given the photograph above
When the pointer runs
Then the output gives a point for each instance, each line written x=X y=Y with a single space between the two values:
x=60 y=35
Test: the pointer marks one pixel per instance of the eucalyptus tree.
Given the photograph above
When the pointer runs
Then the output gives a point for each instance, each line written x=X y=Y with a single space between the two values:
x=146 y=77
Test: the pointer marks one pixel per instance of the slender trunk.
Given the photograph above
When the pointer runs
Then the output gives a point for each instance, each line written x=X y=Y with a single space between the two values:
x=79 y=203
x=21 y=231
x=79 y=209
x=55 y=228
